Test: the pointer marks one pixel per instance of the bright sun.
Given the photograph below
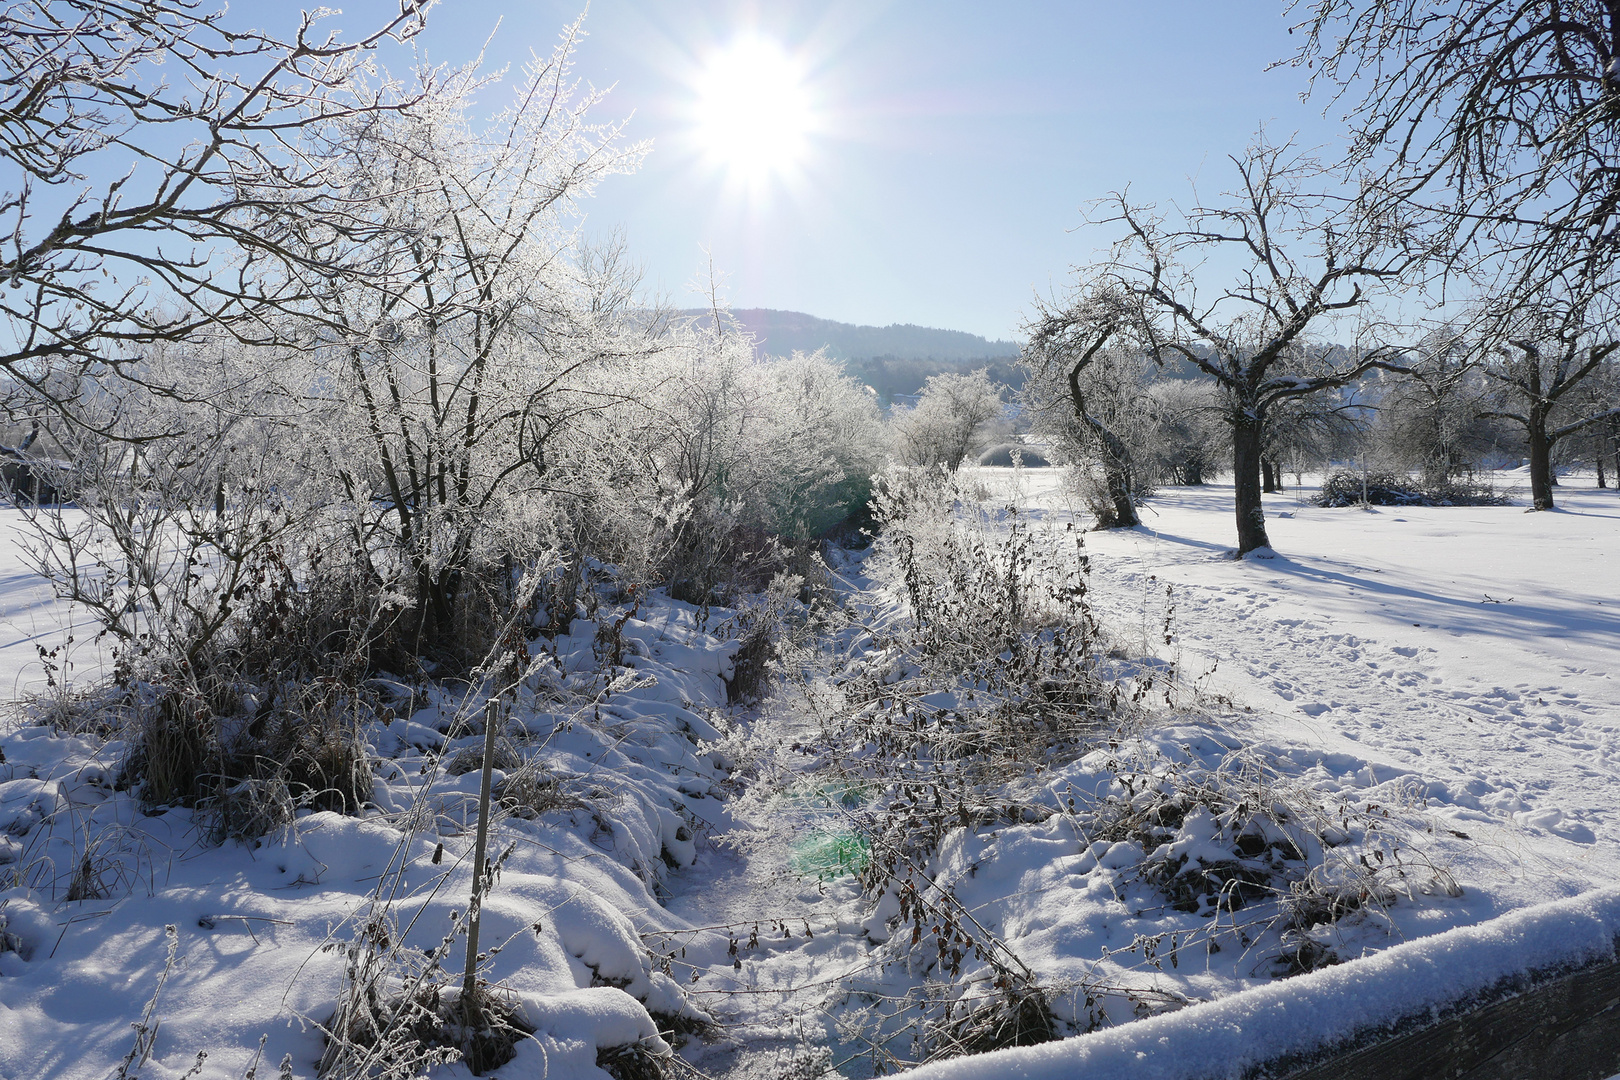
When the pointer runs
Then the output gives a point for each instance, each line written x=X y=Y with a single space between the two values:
x=754 y=115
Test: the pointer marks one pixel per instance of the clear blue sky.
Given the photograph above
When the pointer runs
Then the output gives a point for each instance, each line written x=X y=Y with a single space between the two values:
x=953 y=145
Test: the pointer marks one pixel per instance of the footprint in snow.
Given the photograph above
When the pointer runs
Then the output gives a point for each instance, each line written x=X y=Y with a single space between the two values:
x=1315 y=708
x=1553 y=821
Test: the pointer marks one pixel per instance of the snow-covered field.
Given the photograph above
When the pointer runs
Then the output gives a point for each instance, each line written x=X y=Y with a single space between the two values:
x=1474 y=649
x=1453 y=668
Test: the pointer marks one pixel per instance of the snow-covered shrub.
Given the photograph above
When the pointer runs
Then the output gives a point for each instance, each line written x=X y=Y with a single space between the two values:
x=249 y=809
x=531 y=789
x=777 y=617
x=1275 y=867
x=1345 y=488
x=993 y=674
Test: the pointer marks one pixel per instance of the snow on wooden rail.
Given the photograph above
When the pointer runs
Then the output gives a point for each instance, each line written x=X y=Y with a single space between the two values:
x=1536 y=991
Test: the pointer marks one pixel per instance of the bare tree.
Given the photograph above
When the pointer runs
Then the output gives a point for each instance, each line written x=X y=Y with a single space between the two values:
x=1068 y=345
x=142 y=139
x=1298 y=268
x=1537 y=362
x=1499 y=117
x=1316 y=427
x=1500 y=112
x=1432 y=421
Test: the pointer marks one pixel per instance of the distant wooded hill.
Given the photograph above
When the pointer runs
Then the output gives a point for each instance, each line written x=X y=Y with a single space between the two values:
x=894 y=360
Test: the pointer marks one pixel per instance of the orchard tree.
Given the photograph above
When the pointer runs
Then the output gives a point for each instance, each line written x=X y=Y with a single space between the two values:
x=1433 y=421
x=1316 y=427
x=1536 y=364
x=1069 y=360
x=1189 y=438
x=1296 y=266
x=1498 y=117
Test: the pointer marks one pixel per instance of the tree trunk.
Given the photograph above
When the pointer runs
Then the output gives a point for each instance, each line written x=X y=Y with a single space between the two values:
x=1114 y=457
x=1119 y=491
x=1541 y=478
x=1251 y=515
x=1194 y=472
x=1268 y=476
x=1614 y=448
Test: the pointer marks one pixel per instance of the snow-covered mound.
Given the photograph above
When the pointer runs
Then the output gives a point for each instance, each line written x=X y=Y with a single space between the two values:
x=608 y=776
x=1419 y=982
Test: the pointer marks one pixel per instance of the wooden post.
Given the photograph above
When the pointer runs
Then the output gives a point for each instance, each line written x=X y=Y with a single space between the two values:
x=469 y=980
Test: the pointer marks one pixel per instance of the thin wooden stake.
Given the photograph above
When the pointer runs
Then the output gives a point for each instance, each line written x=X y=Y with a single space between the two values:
x=469 y=980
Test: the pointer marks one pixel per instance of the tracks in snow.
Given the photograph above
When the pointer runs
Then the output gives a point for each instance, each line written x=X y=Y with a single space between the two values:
x=1544 y=751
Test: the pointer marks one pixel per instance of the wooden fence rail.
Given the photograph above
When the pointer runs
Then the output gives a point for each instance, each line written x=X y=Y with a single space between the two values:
x=1561 y=1028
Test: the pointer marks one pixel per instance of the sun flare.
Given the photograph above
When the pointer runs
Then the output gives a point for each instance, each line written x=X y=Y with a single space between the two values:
x=754 y=114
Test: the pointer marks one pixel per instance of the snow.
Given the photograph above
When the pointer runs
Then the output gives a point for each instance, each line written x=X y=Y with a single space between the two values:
x=260 y=926
x=31 y=618
x=1444 y=678
x=1323 y=1009
x=1473 y=649
x=1456 y=661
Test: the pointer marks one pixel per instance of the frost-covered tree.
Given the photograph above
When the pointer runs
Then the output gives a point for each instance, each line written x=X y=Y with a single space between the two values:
x=1292 y=262
x=951 y=418
x=169 y=540
x=822 y=442
x=1088 y=397
x=140 y=143
x=1600 y=441
x=1499 y=118
x=1189 y=439
x=457 y=331
x=1317 y=428
x=1114 y=409
x=751 y=449
x=1433 y=420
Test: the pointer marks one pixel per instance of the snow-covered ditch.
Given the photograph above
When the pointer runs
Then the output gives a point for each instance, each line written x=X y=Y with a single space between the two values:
x=608 y=775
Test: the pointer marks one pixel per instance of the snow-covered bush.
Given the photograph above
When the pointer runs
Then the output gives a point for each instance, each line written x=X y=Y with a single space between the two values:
x=1346 y=488
x=465 y=331
x=994 y=674
x=1019 y=800
x=760 y=456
